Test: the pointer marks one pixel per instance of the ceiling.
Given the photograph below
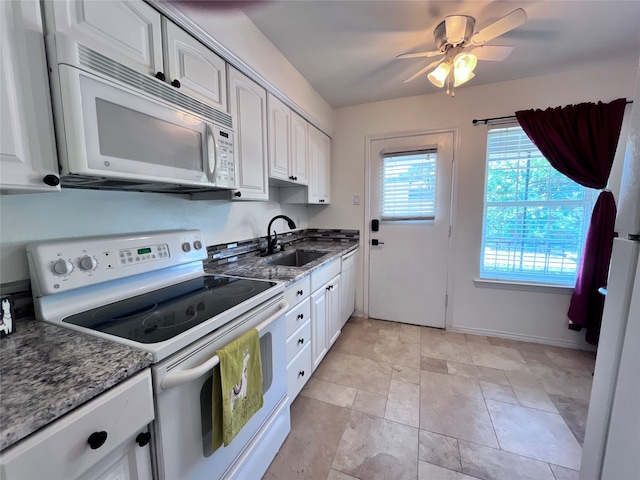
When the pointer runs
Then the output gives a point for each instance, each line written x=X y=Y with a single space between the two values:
x=346 y=49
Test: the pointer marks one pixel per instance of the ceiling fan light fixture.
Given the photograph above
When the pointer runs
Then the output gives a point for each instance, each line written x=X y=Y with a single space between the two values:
x=459 y=81
x=440 y=74
x=455 y=27
x=464 y=63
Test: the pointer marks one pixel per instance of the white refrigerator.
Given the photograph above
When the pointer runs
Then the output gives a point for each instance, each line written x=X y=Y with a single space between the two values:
x=612 y=438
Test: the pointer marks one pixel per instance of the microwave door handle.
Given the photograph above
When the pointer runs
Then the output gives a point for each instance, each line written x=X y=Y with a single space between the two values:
x=179 y=377
x=212 y=154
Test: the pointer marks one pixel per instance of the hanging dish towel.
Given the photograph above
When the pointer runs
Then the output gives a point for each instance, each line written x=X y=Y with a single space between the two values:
x=241 y=380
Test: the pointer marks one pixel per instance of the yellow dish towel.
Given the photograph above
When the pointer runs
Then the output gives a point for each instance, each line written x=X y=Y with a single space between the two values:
x=241 y=381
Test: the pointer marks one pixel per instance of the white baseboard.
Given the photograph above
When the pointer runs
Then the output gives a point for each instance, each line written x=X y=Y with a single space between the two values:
x=525 y=338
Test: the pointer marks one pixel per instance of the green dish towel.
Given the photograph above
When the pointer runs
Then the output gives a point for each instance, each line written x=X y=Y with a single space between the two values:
x=241 y=381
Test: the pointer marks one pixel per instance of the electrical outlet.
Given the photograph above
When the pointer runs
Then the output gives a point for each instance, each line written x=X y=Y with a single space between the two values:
x=356 y=199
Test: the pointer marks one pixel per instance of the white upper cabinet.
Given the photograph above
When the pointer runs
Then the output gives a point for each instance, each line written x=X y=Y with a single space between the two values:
x=287 y=143
x=128 y=32
x=319 y=152
x=198 y=71
x=298 y=165
x=27 y=148
x=248 y=107
x=279 y=138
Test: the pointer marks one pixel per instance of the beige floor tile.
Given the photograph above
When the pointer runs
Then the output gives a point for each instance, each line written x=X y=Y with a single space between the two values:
x=356 y=372
x=406 y=374
x=308 y=451
x=356 y=346
x=517 y=344
x=371 y=403
x=492 y=464
x=336 y=475
x=533 y=397
x=437 y=333
x=480 y=339
x=567 y=383
x=523 y=379
x=487 y=374
x=574 y=412
x=428 y=471
x=502 y=358
x=572 y=359
x=439 y=450
x=398 y=352
x=562 y=473
x=454 y=406
x=403 y=403
x=499 y=393
x=373 y=448
x=445 y=349
x=410 y=333
x=434 y=365
x=535 y=434
x=329 y=392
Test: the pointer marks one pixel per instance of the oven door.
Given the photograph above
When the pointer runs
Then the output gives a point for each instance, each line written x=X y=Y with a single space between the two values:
x=182 y=433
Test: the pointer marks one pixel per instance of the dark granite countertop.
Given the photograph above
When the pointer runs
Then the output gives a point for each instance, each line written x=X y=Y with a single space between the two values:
x=259 y=267
x=47 y=371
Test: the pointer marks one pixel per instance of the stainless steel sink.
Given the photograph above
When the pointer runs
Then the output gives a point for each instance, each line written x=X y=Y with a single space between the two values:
x=297 y=258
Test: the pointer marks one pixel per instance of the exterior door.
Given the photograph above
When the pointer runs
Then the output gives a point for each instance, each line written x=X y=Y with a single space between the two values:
x=410 y=201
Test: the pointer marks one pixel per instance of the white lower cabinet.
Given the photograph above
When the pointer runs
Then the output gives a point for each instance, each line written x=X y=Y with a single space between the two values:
x=348 y=286
x=298 y=321
x=106 y=438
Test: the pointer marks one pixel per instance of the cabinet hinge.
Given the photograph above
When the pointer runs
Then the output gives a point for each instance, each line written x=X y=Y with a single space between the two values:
x=446 y=300
x=449 y=231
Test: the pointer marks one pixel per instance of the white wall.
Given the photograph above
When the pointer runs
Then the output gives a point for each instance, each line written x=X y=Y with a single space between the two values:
x=534 y=315
x=78 y=213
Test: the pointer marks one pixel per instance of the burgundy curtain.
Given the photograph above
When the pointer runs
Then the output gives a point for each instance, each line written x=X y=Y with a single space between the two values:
x=580 y=141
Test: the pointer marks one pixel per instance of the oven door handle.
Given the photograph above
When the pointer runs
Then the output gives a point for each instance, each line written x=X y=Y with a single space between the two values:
x=179 y=377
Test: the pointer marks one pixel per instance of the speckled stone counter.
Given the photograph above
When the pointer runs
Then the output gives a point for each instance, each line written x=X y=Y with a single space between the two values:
x=47 y=371
x=259 y=267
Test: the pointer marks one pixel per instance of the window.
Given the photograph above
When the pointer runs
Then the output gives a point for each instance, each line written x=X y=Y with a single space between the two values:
x=409 y=186
x=535 y=218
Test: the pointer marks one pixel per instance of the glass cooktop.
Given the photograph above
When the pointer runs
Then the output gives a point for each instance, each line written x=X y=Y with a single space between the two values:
x=162 y=314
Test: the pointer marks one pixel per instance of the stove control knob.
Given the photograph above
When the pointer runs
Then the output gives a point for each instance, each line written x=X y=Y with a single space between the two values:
x=62 y=267
x=186 y=246
x=197 y=244
x=87 y=263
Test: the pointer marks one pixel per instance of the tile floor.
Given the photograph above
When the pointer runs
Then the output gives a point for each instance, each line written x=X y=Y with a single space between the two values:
x=394 y=401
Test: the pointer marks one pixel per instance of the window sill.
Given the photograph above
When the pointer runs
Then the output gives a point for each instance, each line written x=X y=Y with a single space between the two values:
x=522 y=286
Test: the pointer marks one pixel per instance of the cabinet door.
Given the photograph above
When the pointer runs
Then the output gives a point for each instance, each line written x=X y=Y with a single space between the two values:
x=324 y=168
x=313 y=154
x=27 y=148
x=347 y=287
x=279 y=125
x=298 y=165
x=319 y=343
x=333 y=310
x=200 y=72
x=128 y=32
x=248 y=107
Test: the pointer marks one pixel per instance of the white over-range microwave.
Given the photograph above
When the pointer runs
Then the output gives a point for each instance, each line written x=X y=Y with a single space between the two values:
x=119 y=129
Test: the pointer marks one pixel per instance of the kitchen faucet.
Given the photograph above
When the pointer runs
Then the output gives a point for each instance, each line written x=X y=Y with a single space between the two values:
x=271 y=244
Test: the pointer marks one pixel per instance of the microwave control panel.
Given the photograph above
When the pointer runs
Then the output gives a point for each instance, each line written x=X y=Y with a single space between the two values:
x=61 y=265
x=226 y=164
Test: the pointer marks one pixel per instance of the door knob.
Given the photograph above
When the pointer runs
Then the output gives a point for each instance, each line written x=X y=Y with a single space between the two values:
x=375 y=241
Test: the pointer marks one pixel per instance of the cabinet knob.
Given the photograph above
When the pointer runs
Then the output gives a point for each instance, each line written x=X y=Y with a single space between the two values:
x=160 y=76
x=300 y=316
x=176 y=83
x=51 y=180
x=295 y=178
x=301 y=373
x=97 y=439
x=143 y=438
x=300 y=341
x=237 y=194
x=300 y=292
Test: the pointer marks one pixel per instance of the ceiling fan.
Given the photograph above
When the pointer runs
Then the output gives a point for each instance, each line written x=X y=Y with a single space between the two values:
x=461 y=48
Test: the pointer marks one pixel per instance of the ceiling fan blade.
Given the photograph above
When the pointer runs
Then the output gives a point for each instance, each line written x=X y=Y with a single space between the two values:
x=434 y=53
x=500 y=27
x=493 y=53
x=421 y=71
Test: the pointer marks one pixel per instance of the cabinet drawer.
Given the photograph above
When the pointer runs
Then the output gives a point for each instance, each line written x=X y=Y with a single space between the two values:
x=298 y=372
x=297 y=292
x=324 y=274
x=61 y=450
x=297 y=316
x=300 y=339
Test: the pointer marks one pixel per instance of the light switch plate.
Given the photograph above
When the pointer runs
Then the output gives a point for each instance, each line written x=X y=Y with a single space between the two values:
x=356 y=199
